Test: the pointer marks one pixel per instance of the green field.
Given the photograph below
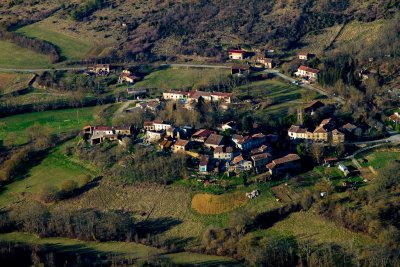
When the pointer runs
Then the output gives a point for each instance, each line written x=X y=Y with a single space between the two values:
x=13 y=56
x=71 y=47
x=121 y=249
x=182 y=78
x=377 y=159
x=312 y=227
x=53 y=170
x=60 y=121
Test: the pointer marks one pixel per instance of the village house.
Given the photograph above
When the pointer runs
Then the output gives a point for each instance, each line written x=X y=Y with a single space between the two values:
x=308 y=73
x=173 y=132
x=267 y=62
x=223 y=153
x=201 y=135
x=240 y=164
x=304 y=56
x=175 y=95
x=136 y=93
x=349 y=128
x=287 y=164
x=181 y=146
x=100 y=69
x=229 y=126
x=344 y=169
x=395 y=117
x=237 y=54
x=259 y=150
x=204 y=164
x=126 y=76
x=165 y=144
x=211 y=96
x=261 y=159
x=214 y=141
x=98 y=134
x=156 y=125
x=240 y=70
x=325 y=132
x=313 y=106
x=153 y=136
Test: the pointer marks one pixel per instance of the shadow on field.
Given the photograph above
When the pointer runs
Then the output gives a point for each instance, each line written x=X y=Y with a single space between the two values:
x=92 y=184
x=156 y=226
x=178 y=243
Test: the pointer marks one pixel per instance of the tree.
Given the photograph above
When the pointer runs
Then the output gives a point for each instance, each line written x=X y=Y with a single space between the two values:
x=247 y=123
x=48 y=193
x=317 y=152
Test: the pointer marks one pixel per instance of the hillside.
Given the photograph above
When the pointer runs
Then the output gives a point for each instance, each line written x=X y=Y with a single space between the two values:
x=132 y=29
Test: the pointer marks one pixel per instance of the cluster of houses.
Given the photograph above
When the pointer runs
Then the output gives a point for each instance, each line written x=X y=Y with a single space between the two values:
x=99 y=134
x=232 y=154
x=325 y=132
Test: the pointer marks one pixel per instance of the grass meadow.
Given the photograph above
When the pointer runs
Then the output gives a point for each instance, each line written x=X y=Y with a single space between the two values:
x=60 y=121
x=12 y=82
x=72 y=48
x=181 y=78
x=53 y=170
x=14 y=56
x=216 y=204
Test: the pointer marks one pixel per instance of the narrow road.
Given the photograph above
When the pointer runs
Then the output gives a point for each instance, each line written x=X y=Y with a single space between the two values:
x=307 y=86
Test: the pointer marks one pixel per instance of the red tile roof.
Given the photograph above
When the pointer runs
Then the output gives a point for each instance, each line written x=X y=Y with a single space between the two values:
x=305 y=68
x=215 y=139
x=237 y=51
x=181 y=142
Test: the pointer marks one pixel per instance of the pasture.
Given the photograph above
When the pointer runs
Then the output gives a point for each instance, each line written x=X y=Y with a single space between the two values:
x=14 y=56
x=59 y=121
x=182 y=78
x=53 y=170
x=71 y=47
x=13 y=82
x=378 y=158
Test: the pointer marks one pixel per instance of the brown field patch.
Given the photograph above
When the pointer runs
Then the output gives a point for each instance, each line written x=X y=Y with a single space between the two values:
x=285 y=193
x=217 y=204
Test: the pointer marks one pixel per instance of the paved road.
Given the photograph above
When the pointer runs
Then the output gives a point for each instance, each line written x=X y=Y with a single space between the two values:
x=395 y=138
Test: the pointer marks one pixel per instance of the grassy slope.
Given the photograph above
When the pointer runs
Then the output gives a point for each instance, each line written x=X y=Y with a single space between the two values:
x=10 y=82
x=71 y=47
x=60 y=121
x=53 y=170
x=181 y=78
x=13 y=56
x=312 y=227
x=377 y=159
x=123 y=249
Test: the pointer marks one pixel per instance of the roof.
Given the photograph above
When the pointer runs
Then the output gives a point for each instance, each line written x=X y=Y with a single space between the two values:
x=260 y=156
x=314 y=103
x=222 y=94
x=266 y=59
x=258 y=135
x=297 y=129
x=349 y=126
x=286 y=159
x=394 y=117
x=166 y=143
x=214 y=139
x=237 y=159
x=320 y=129
x=202 y=133
x=103 y=128
x=181 y=142
x=122 y=128
x=337 y=132
x=330 y=159
x=303 y=54
x=326 y=121
x=228 y=149
x=148 y=123
x=177 y=92
x=237 y=51
x=305 y=68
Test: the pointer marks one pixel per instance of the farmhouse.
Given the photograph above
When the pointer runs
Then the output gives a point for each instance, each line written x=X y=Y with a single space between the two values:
x=349 y=128
x=175 y=95
x=267 y=62
x=304 y=56
x=287 y=164
x=165 y=144
x=180 y=146
x=98 y=134
x=214 y=141
x=306 y=72
x=325 y=132
x=100 y=69
x=210 y=96
x=240 y=164
x=156 y=125
x=344 y=169
x=237 y=54
x=154 y=136
x=126 y=76
x=224 y=153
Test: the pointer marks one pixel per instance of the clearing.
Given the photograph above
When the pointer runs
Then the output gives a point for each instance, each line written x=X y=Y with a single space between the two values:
x=14 y=56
